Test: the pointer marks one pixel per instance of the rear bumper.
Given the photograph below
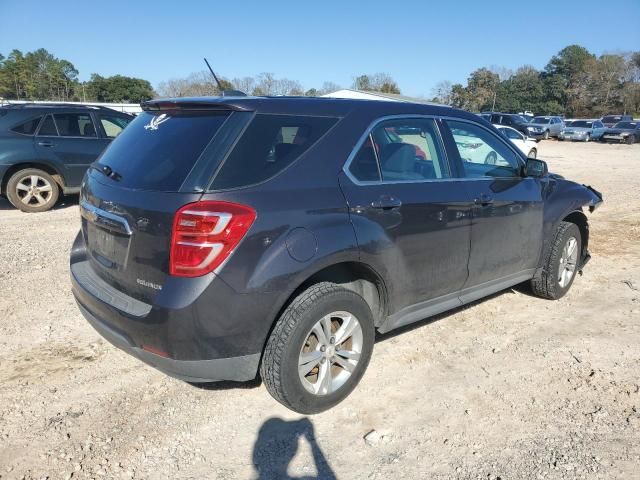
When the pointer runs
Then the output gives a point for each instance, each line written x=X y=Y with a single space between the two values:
x=196 y=329
x=241 y=368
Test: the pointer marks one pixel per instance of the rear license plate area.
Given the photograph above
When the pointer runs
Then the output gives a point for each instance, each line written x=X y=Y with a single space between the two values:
x=107 y=247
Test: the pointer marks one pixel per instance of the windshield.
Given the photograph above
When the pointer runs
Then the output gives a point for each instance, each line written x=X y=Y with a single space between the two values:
x=628 y=125
x=541 y=120
x=580 y=124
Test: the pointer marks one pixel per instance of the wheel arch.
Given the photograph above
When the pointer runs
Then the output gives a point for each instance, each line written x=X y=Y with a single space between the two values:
x=578 y=218
x=353 y=275
x=46 y=167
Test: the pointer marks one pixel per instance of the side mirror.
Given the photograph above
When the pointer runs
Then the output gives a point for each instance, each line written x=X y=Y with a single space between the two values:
x=536 y=168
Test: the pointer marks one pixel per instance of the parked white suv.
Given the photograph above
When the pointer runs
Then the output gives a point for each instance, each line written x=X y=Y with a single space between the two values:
x=527 y=145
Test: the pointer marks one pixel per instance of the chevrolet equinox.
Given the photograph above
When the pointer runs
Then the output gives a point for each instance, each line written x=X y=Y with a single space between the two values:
x=223 y=238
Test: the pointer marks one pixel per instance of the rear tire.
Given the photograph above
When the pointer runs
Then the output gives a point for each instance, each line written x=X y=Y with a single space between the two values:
x=561 y=264
x=32 y=190
x=294 y=346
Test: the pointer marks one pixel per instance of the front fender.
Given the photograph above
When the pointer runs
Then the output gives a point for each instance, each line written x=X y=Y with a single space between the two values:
x=563 y=198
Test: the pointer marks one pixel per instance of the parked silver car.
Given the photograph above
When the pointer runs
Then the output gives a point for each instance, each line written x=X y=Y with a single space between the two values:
x=582 y=130
x=547 y=126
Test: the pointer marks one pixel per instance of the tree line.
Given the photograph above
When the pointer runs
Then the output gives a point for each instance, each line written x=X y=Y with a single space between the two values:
x=574 y=82
x=39 y=75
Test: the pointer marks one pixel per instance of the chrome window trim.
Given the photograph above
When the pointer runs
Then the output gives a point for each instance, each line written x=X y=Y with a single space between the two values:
x=369 y=131
x=435 y=118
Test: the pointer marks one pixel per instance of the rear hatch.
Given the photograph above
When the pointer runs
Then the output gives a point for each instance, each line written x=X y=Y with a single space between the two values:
x=163 y=160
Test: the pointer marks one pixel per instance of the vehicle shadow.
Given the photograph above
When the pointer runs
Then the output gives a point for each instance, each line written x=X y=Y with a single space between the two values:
x=65 y=202
x=277 y=444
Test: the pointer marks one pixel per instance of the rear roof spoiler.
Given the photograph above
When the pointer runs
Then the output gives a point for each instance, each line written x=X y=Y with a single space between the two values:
x=207 y=104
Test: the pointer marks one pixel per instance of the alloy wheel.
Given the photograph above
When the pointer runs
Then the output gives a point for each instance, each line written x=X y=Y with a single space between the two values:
x=330 y=353
x=34 y=190
x=568 y=262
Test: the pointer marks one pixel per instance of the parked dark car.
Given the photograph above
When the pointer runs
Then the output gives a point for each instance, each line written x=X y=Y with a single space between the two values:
x=610 y=120
x=515 y=121
x=46 y=149
x=622 y=132
x=222 y=237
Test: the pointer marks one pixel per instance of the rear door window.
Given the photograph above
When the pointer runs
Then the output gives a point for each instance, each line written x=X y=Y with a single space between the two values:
x=48 y=128
x=268 y=146
x=27 y=128
x=409 y=150
x=113 y=125
x=158 y=150
x=75 y=125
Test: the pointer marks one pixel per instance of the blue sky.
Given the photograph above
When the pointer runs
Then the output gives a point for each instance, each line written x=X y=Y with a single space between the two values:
x=418 y=42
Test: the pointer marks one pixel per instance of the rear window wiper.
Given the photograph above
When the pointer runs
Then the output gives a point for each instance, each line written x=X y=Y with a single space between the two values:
x=107 y=171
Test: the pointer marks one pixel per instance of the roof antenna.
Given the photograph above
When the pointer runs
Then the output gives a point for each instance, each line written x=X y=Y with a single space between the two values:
x=223 y=92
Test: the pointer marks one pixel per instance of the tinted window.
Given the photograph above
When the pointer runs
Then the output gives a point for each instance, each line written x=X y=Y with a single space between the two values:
x=74 y=125
x=27 y=128
x=580 y=124
x=482 y=153
x=629 y=125
x=611 y=118
x=268 y=146
x=511 y=134
x=541 y=120
x=113 y=125
x=364 y=166
x=158 y=150
x=48 y=128
x=409 y=150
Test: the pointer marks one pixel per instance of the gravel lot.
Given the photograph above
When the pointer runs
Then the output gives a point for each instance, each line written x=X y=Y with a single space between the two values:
x=510 y=387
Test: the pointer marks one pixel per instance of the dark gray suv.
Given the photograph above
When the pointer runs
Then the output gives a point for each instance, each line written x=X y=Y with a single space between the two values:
x=222 y=237
x=46 y=149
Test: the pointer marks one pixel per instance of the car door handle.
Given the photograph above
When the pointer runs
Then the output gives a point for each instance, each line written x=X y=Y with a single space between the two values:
x=483 y=200
x=386 y=203
x=45 y=143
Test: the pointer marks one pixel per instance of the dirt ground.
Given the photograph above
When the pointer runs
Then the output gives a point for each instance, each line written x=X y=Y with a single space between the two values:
x=509 y=387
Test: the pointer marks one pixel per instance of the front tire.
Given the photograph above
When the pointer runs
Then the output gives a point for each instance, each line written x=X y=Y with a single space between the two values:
x=318 y=349
x=32 y=190
x=561 y=263
x=631 y=139
x=588 y=138
x=532 y=153
x=546 y=135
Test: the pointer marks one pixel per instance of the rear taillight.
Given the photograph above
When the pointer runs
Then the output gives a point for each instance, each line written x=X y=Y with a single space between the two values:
x=204 y=235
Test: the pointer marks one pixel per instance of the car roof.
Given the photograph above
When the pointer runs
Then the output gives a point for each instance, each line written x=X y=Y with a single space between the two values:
x=58 y=106
x=305 y=106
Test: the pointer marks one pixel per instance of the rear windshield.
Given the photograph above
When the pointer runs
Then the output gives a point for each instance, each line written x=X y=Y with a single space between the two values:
x=611 y=118
x=158 y=150
x=540 y=120
x=268 y=146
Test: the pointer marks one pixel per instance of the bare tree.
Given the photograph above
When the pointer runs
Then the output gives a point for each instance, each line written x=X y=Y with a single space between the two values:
x=442 y=92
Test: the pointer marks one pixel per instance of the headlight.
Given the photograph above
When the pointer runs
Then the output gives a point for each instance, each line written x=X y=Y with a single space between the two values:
x=624 y=134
